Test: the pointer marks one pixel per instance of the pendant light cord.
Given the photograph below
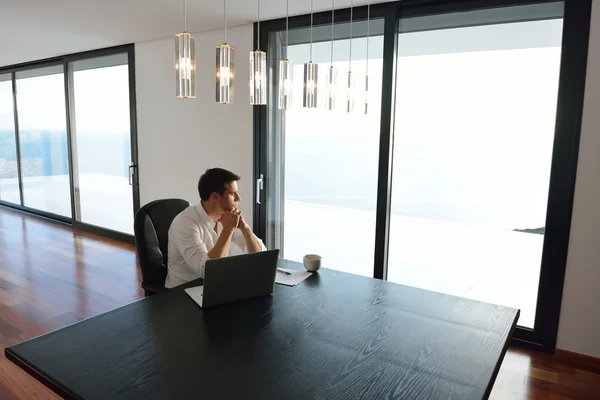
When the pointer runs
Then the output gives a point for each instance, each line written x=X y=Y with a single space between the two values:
x=287 y=25
x=350 y=60
x=258 y=29
x=332 y=22
x=184 y=16
x=368 y=35
x=311 y=28
x=225 y=18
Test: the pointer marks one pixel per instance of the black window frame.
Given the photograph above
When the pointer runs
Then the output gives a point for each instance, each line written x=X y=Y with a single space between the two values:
x=127 y=49
x=575 y=40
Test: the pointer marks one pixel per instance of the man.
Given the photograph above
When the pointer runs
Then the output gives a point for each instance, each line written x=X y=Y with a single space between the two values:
x=214 y=228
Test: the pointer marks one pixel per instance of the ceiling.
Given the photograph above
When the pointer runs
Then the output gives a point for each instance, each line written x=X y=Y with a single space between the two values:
x=37 y=29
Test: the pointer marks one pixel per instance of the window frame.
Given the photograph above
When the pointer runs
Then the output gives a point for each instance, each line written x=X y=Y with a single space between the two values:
x=129 y=50
x=575 y=40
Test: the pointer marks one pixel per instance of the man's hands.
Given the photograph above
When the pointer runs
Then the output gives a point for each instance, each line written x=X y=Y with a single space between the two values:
x=231 y=219
x=234 y=219
x=242 y=225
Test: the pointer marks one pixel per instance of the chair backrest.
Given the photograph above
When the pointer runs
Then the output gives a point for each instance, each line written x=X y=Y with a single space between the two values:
x=151 y=228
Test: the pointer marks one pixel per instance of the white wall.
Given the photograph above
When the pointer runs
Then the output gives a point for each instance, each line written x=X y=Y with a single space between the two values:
x=179 y=139
x=579 y=329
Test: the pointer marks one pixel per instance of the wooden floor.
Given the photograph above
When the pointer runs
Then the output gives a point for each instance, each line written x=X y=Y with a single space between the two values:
x=51 y=277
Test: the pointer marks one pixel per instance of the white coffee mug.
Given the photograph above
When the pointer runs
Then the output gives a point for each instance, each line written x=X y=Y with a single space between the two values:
x=312 y=262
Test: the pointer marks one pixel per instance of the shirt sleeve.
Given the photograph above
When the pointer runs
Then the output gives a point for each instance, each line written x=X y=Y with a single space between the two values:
x=238 y=239
x=189 y=243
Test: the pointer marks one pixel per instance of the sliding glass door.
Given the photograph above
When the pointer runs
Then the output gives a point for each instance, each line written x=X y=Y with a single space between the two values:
x=68 y=140
x=459 y=178
x=475 y=118
x=43 y=139
x=10 y=190
x=101 y=142
x=325 y=164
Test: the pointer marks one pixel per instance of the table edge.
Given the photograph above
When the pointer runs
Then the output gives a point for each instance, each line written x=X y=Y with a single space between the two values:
x=66 y=393
x=38 y=375
x=509 y=337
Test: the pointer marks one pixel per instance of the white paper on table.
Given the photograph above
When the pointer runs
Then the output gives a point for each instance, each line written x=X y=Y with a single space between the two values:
x=291 y=280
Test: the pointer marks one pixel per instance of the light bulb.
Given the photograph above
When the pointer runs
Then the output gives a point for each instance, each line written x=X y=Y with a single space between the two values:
x=225 y=74
x=258 y=73
x=185 y=66
x=311 y=72
x=350 y=92
x=366 y=94
x=287 y=87
x=331 y=87
x=286 y=71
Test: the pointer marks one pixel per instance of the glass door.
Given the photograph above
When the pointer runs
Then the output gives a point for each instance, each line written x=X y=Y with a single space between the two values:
x=42 y=132
x=322 y=166
x=475 y=121
x=10 y=190
x=460 y=177
x=104 y=176
x=68 y=145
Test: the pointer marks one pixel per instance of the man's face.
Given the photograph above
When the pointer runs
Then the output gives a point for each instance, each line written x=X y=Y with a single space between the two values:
x=230 y=197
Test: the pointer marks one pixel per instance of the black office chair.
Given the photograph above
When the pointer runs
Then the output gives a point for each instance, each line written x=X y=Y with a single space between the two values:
x=151 y=228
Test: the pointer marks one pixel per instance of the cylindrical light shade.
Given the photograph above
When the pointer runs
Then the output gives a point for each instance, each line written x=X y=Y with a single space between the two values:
x=286 y=75
x=331 y=87
x=350 y=93
x=185 y=66
x=225 y=73
x=311 y=75
x=366 y=94
x=258 y=77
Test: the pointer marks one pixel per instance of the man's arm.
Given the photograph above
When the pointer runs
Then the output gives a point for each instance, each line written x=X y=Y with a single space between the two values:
x=252 y=242
x=221 y=248
x=229 y=220
x=186 y=237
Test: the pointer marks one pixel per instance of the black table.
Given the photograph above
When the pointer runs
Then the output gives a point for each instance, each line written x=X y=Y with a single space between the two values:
x=334 y=336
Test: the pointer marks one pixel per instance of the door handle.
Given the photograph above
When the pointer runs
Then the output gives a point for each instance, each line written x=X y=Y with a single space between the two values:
x=259 y=187
x=131 y=172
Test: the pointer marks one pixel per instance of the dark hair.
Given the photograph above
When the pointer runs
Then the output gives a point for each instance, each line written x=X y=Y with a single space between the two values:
x=214 y=180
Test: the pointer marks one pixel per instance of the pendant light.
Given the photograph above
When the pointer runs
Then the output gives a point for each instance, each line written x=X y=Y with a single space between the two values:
x=185 y=61
x=331 y=71
x=367 y=63
x=311 y=72
x=258 y=71
x=225 y=67
x=350 y=81
x=286 y=69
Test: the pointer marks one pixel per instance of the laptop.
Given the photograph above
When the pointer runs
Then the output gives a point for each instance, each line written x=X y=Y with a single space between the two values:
x=235 y=278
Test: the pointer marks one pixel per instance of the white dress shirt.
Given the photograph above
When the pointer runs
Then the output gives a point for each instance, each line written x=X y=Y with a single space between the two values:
x=191 y=236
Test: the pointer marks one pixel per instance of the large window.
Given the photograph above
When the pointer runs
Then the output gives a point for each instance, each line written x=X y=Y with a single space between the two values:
x=43 y=140
x=9 y=169
x=472 y=183
x=460 y=177
x=325 y=192
x=102 y=142
x=68 y=142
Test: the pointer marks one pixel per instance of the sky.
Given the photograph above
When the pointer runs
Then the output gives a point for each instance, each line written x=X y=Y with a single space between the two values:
x=101 y=101
x=473 y=128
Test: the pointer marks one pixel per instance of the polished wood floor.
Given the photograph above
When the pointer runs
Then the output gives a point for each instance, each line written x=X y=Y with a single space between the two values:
x=51 y=277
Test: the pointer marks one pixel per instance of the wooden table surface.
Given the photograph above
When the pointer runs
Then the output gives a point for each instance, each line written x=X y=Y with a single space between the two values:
x=334 y=336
